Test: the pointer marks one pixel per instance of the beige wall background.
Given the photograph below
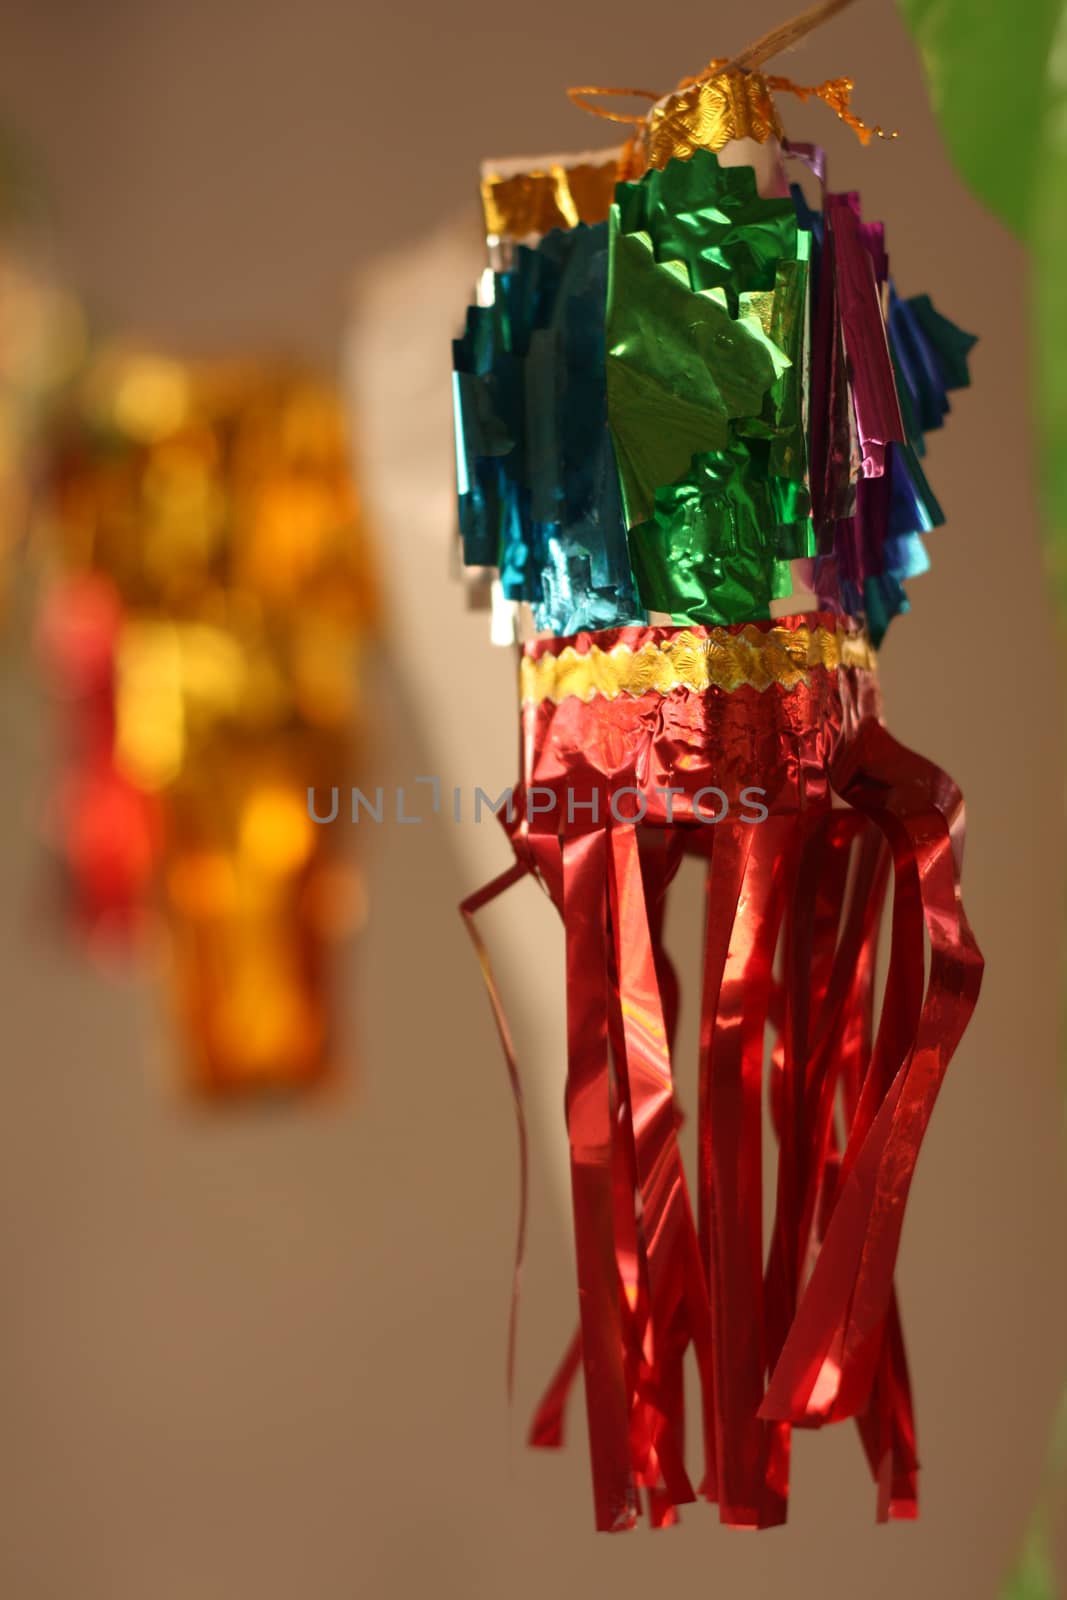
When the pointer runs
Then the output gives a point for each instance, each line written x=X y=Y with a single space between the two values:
x=261 y=1357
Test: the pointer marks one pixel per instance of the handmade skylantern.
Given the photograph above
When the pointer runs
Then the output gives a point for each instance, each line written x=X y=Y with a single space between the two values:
x=691 y=417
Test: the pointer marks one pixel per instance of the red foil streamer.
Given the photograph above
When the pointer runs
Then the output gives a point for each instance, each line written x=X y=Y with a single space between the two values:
x=801 y=1329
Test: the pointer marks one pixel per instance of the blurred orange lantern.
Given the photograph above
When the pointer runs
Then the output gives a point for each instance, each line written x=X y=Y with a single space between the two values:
x=212 y=595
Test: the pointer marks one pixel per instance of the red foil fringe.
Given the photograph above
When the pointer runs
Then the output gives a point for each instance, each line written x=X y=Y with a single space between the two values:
x=801 y=1329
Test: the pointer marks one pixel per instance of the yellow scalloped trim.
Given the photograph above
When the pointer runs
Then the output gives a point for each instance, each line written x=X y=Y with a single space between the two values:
x=718 y=659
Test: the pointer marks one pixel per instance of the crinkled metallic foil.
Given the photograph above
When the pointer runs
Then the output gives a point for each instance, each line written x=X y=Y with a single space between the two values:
x=714 y=219
x=720 y=658
x=736 y=385
x=710 y=113
x=708 y=552
x=539 y=491
x=706 y=316
x=859 y=265
x=519 y=205
x=791 y=916
x=680 y=368
x=871 y=531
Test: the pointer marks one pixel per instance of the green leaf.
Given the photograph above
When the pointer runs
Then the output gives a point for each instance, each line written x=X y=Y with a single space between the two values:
x=997 y=77
x=1047 y=237
x=988 y=71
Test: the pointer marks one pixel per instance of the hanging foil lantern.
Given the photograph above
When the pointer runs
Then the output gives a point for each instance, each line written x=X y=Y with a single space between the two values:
x=691 y=412
x=205 y=625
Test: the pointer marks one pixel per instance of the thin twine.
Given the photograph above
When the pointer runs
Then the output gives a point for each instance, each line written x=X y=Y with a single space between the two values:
x=784 y=37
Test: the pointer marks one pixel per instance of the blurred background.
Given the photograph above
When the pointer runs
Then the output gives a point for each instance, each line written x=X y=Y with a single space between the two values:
x=256 y=1353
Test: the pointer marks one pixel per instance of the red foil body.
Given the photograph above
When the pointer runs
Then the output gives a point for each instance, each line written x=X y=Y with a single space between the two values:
x=801 y=1328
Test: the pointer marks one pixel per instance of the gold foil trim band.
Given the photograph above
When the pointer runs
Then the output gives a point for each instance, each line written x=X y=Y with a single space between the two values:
x=718 y=659
x=708 y=114
x=519 y=204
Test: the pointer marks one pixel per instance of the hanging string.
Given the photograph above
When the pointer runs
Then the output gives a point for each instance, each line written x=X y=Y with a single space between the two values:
x=578 y=97
x=784 y=37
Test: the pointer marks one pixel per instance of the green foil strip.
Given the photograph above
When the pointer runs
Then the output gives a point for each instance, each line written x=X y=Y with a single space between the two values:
x=713 y=219
x=706 y=332
x=705 y=555
x=782 y=421
x=679 y=368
